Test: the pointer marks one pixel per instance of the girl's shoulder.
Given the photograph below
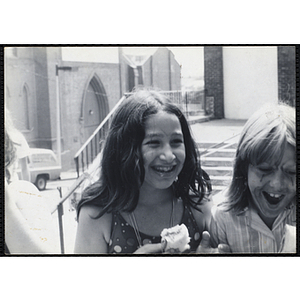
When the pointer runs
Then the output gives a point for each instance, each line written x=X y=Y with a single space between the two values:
x=223 y=211
x=89 y=219
x=90 y=209
x=91 y=212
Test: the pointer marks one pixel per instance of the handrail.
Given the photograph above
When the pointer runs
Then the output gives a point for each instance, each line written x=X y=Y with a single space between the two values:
x=207 y=151
x=60 y=210
x=99 y=127
x=71 y=190
x=93 y=145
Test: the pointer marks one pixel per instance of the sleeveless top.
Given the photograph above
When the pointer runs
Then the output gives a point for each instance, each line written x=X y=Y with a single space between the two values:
x=123 y=238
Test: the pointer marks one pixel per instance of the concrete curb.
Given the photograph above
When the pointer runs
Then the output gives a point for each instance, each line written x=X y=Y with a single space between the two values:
x=200 y=119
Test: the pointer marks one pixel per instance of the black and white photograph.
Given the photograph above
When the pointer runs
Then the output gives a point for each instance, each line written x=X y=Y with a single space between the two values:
x=150 y=150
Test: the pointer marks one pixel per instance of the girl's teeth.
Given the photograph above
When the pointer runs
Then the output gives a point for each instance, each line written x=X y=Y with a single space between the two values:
x=164 y=169
x=275 y=195
x=273 y=199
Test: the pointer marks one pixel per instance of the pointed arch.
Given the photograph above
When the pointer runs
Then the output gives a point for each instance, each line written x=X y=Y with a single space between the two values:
x=7 y=98
x=24 y=85
x=7 y=94
x=25 y=107
x=20 y=111
x=94 y=105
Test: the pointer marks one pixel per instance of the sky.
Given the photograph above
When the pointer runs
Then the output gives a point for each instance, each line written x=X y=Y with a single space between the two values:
x=190 y=58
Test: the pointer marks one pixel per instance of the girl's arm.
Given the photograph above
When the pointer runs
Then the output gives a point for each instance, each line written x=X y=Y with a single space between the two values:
x=209 y=244
x=92 y=234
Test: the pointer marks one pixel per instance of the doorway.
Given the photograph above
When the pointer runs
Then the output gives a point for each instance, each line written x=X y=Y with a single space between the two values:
x=95 y=106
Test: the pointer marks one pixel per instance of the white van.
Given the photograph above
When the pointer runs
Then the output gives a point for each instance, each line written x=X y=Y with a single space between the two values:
x=43 y=166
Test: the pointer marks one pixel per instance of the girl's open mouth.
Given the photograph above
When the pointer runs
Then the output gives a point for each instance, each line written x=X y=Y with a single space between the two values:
x=164 y=170
x=273 y=198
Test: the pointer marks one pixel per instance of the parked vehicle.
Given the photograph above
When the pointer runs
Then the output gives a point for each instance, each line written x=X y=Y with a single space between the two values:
x=43 y=166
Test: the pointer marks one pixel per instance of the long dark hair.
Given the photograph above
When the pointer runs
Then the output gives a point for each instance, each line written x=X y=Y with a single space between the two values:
x=122 y=168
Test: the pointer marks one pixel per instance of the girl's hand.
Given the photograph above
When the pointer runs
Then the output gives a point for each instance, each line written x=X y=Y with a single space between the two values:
x=205 y=248
x=149 y=248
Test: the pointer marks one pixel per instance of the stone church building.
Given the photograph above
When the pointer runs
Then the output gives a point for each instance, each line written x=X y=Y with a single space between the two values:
x=35 y=77
x=238 y=80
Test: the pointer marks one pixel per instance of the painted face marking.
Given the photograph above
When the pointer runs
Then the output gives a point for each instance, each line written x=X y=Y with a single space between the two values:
x=262 y=177
x=272 y=186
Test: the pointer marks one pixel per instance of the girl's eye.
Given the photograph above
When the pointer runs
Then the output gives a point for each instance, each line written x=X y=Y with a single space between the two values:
x=177 y=142
x=290 y=172
x=265 y=169
x=152 y=142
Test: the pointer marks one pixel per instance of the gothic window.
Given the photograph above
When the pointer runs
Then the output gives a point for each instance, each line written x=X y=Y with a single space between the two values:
x=24 y=110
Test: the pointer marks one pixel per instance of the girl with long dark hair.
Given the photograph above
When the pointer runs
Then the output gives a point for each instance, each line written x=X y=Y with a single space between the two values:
x=150 y=179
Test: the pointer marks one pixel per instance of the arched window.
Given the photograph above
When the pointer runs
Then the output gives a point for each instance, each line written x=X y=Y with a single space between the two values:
x=24 y=110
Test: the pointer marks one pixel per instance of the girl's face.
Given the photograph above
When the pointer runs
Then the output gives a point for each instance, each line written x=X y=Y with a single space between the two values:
x=163 y=150
x=273 y=187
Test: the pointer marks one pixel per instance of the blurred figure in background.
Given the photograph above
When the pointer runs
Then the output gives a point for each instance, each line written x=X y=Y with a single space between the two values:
x=21 y=148
x=28 y=221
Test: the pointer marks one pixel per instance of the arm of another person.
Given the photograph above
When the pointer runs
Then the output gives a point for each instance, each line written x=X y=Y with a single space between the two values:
x=18 y=234
x=208 y=245
x=28 y=222
x=93 y=235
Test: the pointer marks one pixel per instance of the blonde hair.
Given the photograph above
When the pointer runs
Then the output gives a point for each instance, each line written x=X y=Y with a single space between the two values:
x=263 y=138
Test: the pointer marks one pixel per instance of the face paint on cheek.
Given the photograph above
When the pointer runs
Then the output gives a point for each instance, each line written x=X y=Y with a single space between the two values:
x=259 y=174
x=262 y=177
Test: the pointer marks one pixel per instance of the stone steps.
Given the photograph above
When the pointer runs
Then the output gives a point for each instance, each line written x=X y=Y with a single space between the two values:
x=218 y=170
x=217 y=161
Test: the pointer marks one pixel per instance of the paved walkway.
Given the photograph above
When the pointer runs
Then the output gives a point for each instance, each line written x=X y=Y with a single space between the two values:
x=216 y=131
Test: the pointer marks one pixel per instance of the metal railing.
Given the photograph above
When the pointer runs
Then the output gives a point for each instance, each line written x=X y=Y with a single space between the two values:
x=92 y=147
x=174 y=96
x=60 y=210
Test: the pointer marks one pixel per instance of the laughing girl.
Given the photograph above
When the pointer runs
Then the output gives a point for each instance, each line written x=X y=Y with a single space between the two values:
x=151 y=179
x=258 y=213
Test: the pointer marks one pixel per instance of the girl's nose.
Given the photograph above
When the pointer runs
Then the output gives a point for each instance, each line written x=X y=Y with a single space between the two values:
x=167 y=155
x=278 y=180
